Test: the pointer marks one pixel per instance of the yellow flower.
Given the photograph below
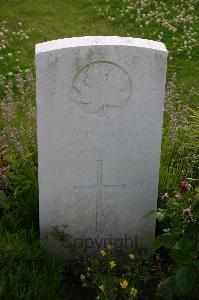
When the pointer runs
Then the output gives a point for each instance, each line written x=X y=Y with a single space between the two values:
x=82 y=277
x=131 y=256
x=124 y=284
x=133 y=292
x=109 y=247
x=101 y=287
x=102 y=252
x=112 y=264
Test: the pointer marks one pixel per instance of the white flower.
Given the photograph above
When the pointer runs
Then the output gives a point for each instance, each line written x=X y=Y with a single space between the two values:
x=9 y=54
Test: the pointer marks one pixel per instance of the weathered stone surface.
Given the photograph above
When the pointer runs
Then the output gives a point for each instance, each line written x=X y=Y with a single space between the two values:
x=100 y=109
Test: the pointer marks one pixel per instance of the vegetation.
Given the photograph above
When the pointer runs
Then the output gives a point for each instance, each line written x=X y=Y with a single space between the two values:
x=171 y=270
x=181 y=217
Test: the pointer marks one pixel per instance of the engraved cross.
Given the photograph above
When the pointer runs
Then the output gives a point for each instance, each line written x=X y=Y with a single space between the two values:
x=99 y=188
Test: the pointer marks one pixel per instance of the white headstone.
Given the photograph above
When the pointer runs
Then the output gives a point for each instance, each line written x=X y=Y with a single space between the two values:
x=100 y=111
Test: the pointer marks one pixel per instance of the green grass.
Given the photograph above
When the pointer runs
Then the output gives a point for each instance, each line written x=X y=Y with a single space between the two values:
x=53 y=19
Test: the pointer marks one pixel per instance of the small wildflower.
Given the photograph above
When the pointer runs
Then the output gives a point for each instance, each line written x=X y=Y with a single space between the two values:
x=178 y=196
x=165 y=196
x=88 y=268
x=184 y=186
x=112 y=264
x=1 y=57
x=166 y=230
x=124 y=284
x=9 y=54
x=10 y=73
x=101 y=287
x=82 y=277
x=133 y=292
x=109 y=247
x=102 y=252
x=187 y=213
x=131 y=256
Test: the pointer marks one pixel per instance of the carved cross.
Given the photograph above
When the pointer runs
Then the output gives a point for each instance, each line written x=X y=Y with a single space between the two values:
x=99 y=189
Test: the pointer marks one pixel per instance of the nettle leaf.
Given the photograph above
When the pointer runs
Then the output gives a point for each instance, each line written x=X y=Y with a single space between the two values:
x=182 y=257
x=197 y=196
x=197 y=193
x=176 y=246
x=151 y=213
x=168 y=285
x=163 y=240
x=196 y=262
x=185 y=279
x=186 y=244
x=160 y=216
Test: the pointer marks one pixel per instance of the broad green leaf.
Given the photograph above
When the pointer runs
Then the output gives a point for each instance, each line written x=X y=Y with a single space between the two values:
x=165 y=240
x=186 y=244
x=151 y=213
x=196 y=262
x=197 y=189
x=168 y=286
x=176 y=246
x=160 y=216
x=182 y=257
x=185 y=279
x=169 y=283
x=197 y=196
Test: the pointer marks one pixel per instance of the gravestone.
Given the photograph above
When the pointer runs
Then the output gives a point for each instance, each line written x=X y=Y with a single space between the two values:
x=99 y=116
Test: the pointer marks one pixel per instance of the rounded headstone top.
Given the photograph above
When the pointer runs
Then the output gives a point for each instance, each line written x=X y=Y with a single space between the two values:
x=99 y=41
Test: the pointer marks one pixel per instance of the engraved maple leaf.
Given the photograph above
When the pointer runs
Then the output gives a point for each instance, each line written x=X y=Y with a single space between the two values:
x=102 y=87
